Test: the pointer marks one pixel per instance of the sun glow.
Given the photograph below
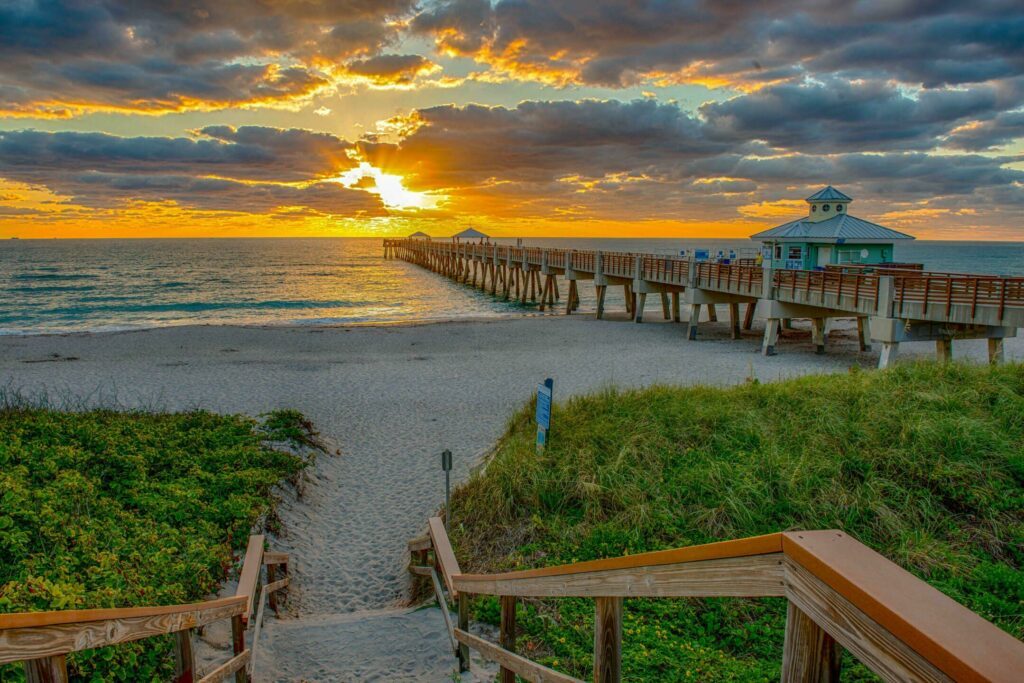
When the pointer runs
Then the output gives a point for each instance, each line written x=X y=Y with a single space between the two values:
x=389 y=187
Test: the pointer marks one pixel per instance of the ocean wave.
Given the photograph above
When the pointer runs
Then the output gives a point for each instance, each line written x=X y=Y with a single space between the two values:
x=28 y=289
x=199 y=307
x=53 y=276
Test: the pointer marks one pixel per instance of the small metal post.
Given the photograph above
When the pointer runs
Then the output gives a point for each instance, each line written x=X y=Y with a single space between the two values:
x=446 y=465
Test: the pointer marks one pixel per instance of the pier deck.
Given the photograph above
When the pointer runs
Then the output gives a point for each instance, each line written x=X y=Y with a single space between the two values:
x=891 y=304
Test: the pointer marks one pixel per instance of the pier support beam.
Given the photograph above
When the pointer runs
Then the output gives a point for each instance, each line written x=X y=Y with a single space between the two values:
x=712 y=313
x=748 y=319
x=641 y=302
x=675 y=307
x=734 y=320
x=771 y=336
x=863 y=334
x=691 y=324
x=818 y=334
x=601 y=290
x=888 y=357
x=664 y=306
x=995 y=351
x=944 y=350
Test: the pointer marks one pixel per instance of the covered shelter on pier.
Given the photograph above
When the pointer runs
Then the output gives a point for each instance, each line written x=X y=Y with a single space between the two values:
x=471 y=234
x=419 y=235
x=827 y=236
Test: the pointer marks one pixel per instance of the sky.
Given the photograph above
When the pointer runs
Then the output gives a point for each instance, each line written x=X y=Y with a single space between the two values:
x=715 y=118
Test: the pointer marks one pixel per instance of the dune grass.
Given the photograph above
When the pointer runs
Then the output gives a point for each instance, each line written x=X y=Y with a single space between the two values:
x=923 y=463
x=121 y=509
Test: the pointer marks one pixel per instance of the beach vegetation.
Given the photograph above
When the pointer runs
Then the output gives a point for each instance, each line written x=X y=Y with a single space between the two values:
x=103 y=509
x=923 y=463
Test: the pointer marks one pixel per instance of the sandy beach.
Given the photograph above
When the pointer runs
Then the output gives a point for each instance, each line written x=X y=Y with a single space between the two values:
x=391 y=398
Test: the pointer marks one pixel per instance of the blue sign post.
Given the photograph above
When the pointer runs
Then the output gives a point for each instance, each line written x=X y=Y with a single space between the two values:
x=544 y=412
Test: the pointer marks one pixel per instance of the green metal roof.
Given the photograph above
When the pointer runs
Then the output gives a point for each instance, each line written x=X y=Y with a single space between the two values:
x=829 y=194
x=842 y=226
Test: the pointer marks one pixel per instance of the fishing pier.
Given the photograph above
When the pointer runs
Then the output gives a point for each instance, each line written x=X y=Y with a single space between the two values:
x=891 y=303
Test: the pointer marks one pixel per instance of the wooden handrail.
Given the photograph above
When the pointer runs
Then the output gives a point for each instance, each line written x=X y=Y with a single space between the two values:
x=85 y=616
x=49 y=636
x=896 y=624
x=444 y=555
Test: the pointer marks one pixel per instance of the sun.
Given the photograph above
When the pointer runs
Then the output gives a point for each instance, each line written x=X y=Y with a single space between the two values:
x=389 y=187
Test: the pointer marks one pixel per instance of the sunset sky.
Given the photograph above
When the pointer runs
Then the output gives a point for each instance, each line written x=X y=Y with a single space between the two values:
x=143 y=118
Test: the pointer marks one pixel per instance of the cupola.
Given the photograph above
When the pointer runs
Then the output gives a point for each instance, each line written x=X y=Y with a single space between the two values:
x=827 y=203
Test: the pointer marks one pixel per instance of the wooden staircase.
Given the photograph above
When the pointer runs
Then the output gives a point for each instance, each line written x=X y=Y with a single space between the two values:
x=841 y=594
x=43 y=639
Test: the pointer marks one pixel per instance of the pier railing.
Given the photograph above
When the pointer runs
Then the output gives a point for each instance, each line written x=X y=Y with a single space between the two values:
x=854 y=288
x=841 y=594
x=42 y=640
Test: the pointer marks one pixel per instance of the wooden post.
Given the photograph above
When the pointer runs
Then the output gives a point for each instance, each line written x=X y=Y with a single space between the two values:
x=238 y=646
x=664 y=306
x=272 y=598
x=463 y=626
x=47 y=670
x=184 y=660
x=748 y=319
x=889 y=350
x=570 y=302
x=675 y=307
x=712 y=313
x=734 y=320
x=508 y=633
x=608 y=640
x=944 y=350
x=601 y=289
x=809 y=655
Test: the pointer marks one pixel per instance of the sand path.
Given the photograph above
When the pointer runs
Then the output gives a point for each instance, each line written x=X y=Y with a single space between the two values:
x=392 y=398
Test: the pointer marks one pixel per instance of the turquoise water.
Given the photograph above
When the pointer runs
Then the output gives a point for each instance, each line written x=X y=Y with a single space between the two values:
x=74 y=285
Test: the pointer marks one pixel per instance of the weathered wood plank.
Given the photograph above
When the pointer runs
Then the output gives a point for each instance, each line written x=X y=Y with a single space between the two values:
x=809 y=654
x=526 y=669
x=755 y=576
x=238 y=647
x=421 y=571
x=878 y=649
x=250 y=575
x=508 y=633
x=745 y=547
x=81 y=616
x=233 y=666
x=270 y=557
x=420 y=543
x=607 y=640
x=444 y=554
x=47 y=670
x=184 y=660
x=953 y=639
x=45 y=641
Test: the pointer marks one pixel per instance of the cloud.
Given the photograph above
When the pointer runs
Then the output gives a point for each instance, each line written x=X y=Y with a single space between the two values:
x=249 y=169
x=646 y=160
x=616 y=44
x=391 y=70
x=62 y=57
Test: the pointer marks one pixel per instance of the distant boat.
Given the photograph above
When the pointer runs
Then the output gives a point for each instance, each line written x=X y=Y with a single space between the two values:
x=15 y=238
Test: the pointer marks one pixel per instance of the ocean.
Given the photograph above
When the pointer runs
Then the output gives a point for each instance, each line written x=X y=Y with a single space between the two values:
x=55 y=286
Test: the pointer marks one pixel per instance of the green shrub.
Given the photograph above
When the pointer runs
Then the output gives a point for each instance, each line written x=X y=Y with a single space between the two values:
x=111 y=509
x=923 y=463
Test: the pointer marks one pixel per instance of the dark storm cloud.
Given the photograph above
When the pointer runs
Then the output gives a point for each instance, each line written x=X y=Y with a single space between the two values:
x=995 y=133
x=59 y=56
x=228 y=169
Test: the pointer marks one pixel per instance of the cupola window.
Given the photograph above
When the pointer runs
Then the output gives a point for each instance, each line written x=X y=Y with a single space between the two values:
x=814 y=208
x=839 y=208
x=825 y=207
